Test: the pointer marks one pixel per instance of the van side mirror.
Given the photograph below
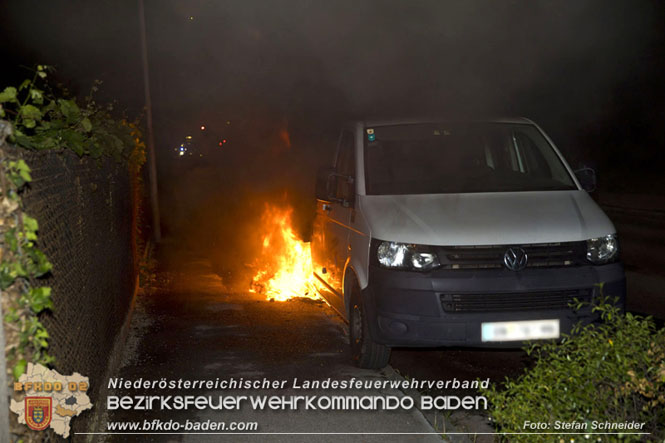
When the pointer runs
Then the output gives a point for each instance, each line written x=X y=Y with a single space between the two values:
x=587 y=178
x=326 y=184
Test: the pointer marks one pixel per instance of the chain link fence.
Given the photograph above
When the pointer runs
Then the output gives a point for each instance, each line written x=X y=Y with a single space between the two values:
x=88 y=230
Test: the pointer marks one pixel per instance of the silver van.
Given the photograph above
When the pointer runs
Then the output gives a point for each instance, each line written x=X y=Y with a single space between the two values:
x=473 y=234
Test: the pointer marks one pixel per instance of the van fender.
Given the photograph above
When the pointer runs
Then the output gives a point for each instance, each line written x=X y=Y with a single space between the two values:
x=367 y=300
x=360 y=269
x=353 y=271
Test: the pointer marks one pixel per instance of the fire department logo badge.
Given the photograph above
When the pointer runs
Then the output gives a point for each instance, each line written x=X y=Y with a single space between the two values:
x=38 y=412
x=45 y=399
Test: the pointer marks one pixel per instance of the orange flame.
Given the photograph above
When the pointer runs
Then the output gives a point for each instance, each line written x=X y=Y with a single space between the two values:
x=285 y=264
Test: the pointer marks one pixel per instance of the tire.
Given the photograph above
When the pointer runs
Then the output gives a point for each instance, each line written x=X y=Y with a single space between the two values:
x=366 y=353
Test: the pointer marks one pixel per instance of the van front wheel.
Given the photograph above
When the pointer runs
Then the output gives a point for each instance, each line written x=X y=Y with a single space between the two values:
x=365 y=352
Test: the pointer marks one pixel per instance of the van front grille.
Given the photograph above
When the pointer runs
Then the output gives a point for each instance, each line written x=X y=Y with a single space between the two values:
x=544 y=255
x=516 y=301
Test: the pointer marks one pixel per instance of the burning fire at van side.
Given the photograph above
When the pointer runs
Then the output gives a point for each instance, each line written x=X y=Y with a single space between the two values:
x=284 y=267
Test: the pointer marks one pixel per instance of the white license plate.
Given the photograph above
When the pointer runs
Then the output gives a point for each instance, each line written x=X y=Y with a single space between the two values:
x=520 y=330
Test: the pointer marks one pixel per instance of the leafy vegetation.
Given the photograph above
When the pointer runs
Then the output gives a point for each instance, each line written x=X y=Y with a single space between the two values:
x=21 y=263
x=43 y=120
x=609 y=372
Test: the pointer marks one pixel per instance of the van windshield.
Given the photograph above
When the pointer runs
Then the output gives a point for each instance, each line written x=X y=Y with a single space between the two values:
x=461 y=158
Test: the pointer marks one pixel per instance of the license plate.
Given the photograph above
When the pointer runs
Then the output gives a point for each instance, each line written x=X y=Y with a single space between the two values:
x=520 y=330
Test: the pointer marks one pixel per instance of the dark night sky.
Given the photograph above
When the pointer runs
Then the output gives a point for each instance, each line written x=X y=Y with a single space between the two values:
x=591 y=72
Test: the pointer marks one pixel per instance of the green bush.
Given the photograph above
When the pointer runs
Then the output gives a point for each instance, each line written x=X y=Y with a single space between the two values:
x=611 y=371
x=44 y=118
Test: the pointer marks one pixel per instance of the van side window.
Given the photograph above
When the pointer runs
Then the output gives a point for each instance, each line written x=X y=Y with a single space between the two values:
x=346 y=166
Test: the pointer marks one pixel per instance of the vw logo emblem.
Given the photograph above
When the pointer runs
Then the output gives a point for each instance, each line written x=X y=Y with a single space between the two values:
x=515 y=259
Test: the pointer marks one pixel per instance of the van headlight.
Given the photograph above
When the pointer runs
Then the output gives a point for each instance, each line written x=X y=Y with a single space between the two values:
x=603 y=249
x=406 y=256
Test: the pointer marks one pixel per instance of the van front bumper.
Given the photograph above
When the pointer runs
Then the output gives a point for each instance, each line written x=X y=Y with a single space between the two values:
x=448 y=308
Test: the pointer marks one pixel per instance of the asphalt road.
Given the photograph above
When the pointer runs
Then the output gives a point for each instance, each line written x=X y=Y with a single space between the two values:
x=641 y=232
x=189 y=326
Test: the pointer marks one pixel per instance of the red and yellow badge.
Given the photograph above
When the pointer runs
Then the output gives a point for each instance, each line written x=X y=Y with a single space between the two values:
x=38 y=412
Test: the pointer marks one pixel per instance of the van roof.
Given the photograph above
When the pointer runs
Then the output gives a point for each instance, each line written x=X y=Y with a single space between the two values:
x=403 y=121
